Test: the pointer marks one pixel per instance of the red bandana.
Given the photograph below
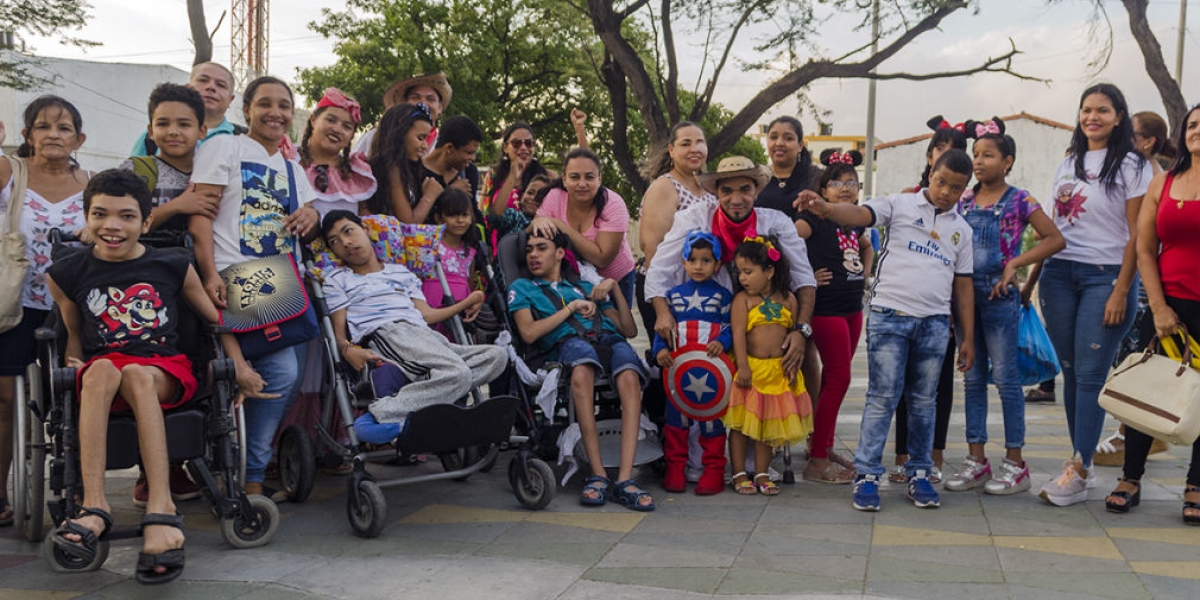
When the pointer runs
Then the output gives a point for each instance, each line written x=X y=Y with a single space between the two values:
x=732 y=234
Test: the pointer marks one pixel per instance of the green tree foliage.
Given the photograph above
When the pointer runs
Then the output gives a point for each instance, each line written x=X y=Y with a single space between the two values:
x=47 y=18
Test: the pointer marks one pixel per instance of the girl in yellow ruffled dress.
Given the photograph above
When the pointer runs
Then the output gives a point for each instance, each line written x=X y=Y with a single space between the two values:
x=765 y=405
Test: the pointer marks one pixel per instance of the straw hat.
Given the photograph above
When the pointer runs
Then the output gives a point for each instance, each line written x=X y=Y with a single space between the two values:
x=395 y=94
x=730 y=167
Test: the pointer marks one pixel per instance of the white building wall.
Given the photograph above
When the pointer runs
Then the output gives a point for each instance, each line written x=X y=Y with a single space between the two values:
x=1040 y=148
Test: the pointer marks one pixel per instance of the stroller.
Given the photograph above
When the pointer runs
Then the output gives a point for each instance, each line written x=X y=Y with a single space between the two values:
x=545 y=423
x=204 y=432
x=466 y=435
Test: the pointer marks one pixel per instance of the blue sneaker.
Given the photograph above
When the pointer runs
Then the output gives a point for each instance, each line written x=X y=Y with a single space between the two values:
x=921 y=491
x=373 y=432
x=866 y=493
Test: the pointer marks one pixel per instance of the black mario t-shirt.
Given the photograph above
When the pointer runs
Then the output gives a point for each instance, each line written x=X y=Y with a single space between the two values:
x=128 y=307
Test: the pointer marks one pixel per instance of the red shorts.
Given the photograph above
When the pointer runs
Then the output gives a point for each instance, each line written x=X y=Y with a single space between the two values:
x=178 y=367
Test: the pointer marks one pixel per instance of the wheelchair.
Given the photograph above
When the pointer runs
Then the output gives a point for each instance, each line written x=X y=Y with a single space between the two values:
x=205 y=434
x=466 y=436
x=546 y=425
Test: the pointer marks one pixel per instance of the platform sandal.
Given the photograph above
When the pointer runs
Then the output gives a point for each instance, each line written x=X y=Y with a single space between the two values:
x=1194 y=518
x=631 y=498
x=765 y=486
x=172 y=559
x=743 y=485
x=598 y=484
x=85 y=548
x=1128 y=500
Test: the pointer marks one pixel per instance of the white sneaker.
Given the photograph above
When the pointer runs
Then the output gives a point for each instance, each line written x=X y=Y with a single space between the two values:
x=1066 y=489
x=1011 y=478
x=935 y=475
x=972 y=475
x=1091 y=480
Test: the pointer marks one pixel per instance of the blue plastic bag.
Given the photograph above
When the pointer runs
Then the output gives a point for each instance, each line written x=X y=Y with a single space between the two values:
x=1036 y=359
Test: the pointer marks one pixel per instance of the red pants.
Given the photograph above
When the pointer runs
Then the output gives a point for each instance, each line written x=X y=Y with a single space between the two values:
x=837 y=340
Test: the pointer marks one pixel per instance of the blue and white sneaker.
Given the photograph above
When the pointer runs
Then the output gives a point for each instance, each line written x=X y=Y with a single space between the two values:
x=866 y=493
x=921 y=492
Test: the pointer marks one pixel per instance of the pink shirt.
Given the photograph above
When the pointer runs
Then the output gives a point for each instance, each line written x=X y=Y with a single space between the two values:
x=614 y=217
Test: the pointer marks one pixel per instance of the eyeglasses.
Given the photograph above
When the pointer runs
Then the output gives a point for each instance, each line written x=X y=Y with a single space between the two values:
x=321 y=181
x=837 y=185
x=518 y=143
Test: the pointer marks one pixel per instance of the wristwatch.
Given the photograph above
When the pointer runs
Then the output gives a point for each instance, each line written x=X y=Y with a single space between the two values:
x=805 y=330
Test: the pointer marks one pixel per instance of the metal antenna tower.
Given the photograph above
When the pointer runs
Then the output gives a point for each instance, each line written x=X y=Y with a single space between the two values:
x=251 y=40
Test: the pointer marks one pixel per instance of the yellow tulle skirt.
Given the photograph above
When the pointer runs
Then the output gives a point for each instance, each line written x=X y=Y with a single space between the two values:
x=770 y=410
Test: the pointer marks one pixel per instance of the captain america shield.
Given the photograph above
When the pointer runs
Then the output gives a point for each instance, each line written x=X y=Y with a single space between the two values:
x=698 y=385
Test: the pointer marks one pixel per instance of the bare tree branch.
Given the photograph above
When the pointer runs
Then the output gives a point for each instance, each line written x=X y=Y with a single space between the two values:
x=200 y=36
x=705 y=98
x=671 y=90
x=1156 y=67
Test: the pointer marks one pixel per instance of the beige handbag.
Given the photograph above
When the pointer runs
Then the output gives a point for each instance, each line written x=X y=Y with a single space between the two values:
x=1156 y=395
x=14 y=265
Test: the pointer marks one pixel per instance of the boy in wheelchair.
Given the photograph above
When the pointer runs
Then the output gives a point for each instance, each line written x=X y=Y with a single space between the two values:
x=577 y=324
x=379 y=314
x=118 y=301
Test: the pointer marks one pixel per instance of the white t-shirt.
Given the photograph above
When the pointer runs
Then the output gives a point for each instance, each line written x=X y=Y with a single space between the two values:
x=375 y=299
x=256 y=197
x=922 y=252
x=1090 y=215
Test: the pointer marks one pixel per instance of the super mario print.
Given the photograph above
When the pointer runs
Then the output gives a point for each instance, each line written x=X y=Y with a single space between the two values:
x=266 y=200
x=126 y=315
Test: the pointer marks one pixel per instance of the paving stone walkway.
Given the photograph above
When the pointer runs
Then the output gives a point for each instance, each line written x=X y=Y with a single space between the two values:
x=466 y=540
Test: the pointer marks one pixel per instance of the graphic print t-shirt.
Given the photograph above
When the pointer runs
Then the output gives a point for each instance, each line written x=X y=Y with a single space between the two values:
x=256 y=199
x=169 y=184
x=1091 y=215
x=128 y=307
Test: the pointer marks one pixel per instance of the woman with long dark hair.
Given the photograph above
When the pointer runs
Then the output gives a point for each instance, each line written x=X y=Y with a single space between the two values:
x=1089 y=290
x=792 y=168
x=396 y=152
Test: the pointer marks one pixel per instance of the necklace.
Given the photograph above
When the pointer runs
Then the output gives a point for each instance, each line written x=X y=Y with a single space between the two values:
x=782 y=182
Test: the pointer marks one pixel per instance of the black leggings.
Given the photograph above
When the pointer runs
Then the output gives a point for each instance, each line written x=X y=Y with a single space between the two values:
x=945 y=402
x=1137 y=444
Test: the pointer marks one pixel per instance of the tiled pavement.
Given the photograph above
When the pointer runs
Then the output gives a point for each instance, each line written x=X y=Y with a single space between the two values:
x=471 y=540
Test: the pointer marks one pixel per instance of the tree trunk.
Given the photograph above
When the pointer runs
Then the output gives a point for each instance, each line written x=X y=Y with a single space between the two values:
x=1156 y=67
x=200 y=36
x=614 y=80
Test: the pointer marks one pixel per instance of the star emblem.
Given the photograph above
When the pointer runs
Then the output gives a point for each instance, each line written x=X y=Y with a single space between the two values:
x=695 y=301
x=698 y=386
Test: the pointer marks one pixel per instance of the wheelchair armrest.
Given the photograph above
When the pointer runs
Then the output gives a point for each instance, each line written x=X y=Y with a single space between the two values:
x=215 y=329
x=222 y=369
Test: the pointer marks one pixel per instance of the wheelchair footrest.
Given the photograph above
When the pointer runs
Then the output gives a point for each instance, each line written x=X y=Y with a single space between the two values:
x=448 y=427
x=609 y=431
x=185 y=438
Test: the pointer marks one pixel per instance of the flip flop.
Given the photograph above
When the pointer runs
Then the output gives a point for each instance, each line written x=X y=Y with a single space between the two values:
x=172 y=559
x=85 y=548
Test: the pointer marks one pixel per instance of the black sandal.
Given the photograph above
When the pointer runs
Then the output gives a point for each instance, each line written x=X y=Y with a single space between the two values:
x=1128 y=500
x=172 y=559
x=85 y=548
x=1192 y=519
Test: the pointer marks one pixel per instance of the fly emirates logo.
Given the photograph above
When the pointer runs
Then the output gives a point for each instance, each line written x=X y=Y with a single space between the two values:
x=931 y=249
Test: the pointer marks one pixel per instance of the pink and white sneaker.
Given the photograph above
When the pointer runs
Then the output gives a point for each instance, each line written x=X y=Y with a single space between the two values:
x=1011 y=478
x=971 y=475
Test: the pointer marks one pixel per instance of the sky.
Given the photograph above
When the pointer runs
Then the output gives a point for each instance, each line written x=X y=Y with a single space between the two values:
x=1053 y=41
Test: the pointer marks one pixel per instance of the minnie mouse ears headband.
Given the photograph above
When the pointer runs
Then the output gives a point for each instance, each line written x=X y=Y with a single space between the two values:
x=937 y=122
x=832 y=157
x=978 y=129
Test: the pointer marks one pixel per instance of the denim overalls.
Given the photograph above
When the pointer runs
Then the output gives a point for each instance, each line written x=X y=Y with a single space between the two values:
x=996 y=323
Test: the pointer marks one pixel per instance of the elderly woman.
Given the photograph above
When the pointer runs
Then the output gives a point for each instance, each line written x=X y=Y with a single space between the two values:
x=1167 y=255
x=594 y=218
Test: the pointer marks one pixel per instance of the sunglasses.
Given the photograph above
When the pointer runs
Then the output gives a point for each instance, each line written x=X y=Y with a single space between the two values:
x=321 y=181
x=518 y=143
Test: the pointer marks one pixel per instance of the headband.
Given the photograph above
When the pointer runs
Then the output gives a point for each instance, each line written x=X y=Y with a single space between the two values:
x=334 y=97
x=843 y=158
x=698 y=236
x=772 y=251
x=420 y=110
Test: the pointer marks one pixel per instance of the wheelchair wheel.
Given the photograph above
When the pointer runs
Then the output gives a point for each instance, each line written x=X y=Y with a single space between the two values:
x=29 y=457
x=538 y=491
x=61 y=562
x=253 y=530
x=366 y=509
x=297 y=463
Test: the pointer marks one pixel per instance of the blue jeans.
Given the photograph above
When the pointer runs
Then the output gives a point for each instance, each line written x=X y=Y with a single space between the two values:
x=628 y=285
x=281 y=371
x=1073 y=295
x=995 y=339
x=574 y=351
x=901 y=347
